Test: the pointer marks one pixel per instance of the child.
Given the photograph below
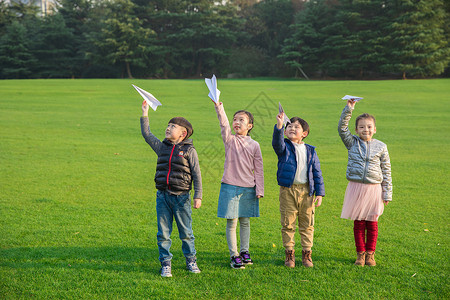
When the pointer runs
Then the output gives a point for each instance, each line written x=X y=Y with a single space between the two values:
x=370 y=183
x=177 y=166
x=242 y=182
x=300 y=178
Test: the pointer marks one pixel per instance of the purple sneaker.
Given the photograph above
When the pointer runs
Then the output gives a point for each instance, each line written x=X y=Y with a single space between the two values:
x=236 y=262
x=246 y=258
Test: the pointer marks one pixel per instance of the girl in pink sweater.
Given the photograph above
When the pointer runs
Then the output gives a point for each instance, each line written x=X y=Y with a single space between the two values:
x=242 y=182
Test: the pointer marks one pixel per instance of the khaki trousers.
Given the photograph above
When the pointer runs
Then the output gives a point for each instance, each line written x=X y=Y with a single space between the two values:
x=295 y=203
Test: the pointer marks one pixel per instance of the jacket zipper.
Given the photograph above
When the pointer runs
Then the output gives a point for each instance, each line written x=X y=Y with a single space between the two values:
x=170 y=167
x=366 y=162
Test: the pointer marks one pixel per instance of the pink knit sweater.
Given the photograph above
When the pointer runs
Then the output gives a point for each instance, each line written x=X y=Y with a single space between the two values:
x=243 y=160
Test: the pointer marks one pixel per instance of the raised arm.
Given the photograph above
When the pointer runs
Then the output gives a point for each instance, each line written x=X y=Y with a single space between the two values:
x=344 y=132
x=278 y=143
x=149 y=137
x=225 y=128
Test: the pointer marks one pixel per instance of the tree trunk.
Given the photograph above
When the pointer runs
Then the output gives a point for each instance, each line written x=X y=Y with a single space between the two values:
x=304 y=74
x=128 y=70
x=166 y=67
x=199 y=68
x=404 y=75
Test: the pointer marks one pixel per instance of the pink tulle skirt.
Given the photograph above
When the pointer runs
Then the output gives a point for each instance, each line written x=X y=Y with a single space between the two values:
x=362 y=202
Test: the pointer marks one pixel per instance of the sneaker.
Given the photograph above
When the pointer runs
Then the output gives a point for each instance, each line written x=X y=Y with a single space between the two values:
x=191 y=265
x=236 y=262
x=246 y=258
x=166 y=269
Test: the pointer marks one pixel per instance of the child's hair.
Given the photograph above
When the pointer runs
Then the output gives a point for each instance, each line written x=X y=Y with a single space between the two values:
x=250 y=118
x=303 y=123
x=183 y=123
x=364 y=116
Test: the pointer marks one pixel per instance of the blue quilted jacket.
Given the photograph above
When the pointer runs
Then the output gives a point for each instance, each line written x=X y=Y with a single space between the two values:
x=287 y=164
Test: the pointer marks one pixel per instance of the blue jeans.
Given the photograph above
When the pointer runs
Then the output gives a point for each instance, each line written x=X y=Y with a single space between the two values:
x=168 y=207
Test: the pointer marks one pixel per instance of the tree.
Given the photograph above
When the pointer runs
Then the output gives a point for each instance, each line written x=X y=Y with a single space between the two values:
x=192 y=37
x=418 y=43
x=5 y=17
x=362 y=26
x=52 y=44
x=81 y=17
x=303 y=50
x=16 y=59
x=122 y=38
x=266 y=26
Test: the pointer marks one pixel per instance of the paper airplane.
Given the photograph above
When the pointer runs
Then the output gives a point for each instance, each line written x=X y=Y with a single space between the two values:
x=281 y=110
x=149 y=98
x=214 y=93
x=348 y=97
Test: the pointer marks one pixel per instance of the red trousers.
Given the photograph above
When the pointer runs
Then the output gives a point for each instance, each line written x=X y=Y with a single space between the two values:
x=359 y=230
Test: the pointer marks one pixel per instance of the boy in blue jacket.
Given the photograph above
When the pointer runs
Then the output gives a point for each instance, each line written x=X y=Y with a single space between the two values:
x=301 y=186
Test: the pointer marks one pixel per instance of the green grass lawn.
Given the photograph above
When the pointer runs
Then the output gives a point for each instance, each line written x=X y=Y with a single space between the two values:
x=77 y=196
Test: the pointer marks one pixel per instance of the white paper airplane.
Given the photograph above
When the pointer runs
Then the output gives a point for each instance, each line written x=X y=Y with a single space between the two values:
x=149 y=98
x=281 y=110
x=214 y=93
x=348 y=97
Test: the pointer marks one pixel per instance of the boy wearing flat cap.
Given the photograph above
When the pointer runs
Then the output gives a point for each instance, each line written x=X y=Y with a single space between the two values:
x=176 y=168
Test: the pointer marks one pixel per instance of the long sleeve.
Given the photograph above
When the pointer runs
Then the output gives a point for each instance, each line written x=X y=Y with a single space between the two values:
x=278 y=143
x=386 y=184
x=196 y=173
x=259 y=171
x=344 y=132
x=149 y=137
x=225 y=128
x=318 y=178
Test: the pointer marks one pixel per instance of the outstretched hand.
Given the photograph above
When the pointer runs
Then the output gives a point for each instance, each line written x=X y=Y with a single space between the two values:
x=216 y=103
x=145 y=108
x=280 y=119
x=351 y=103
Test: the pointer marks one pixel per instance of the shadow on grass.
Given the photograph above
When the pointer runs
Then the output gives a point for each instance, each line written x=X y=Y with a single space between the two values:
x=101 y=258
x=319 y=259
x=275 y=259
x=123 y=259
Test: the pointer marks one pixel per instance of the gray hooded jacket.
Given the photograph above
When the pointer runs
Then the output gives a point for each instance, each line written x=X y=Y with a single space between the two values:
x=368 y=162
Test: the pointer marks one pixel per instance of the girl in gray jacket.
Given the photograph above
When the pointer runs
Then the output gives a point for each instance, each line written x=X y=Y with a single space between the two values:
x=370 y=183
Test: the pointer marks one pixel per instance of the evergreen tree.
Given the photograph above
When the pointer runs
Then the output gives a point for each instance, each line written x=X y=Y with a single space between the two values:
x=79 y=17
x=23 y=10
x=5 y=17
x=363 y=26
x=417 y=39
x=192 y=37
x=266 y=26
x=52 y=44
x=16 y=59
x=122 y=39
x=304 y=49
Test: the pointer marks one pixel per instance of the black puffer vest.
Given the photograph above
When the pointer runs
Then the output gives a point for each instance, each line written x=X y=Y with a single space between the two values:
x=172 y=168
